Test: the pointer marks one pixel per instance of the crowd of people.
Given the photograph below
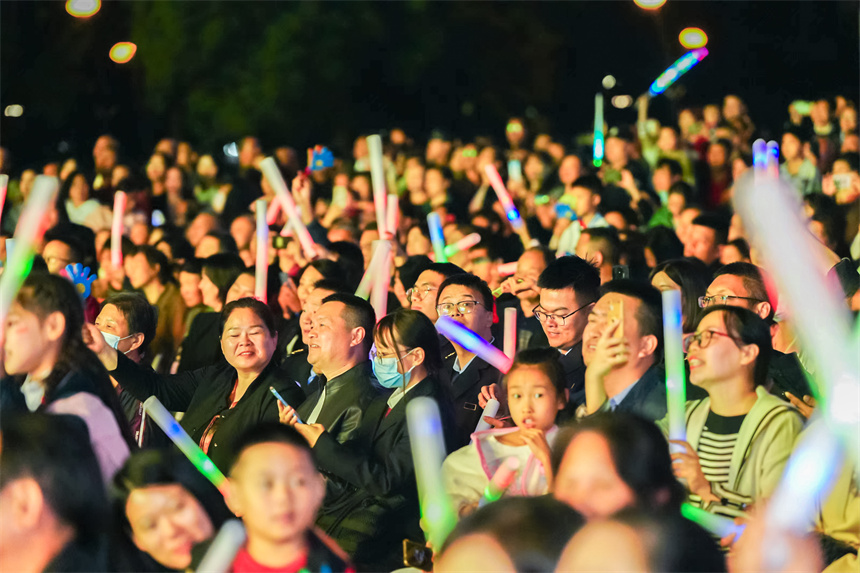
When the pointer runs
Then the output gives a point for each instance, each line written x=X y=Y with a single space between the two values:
x=300 y=398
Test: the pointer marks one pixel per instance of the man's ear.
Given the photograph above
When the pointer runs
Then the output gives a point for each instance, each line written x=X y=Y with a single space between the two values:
x=55 y=325
x=763 y=309
x=358 y=335
x=137 y=341
x=597 y=258
x=648 y=345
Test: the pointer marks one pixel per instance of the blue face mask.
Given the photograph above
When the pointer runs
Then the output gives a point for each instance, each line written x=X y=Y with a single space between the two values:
x=385 y=370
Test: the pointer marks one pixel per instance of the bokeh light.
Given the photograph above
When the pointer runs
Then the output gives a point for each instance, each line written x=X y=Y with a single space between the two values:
x=692 y=38
x=622 y=101
x=609 y=82
x=83 y=8
x=649 y=4
x=14 y=110
x=122 y=52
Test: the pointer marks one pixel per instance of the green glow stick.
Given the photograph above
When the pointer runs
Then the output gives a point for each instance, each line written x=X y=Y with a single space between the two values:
x=717 y=524
x=673 y=345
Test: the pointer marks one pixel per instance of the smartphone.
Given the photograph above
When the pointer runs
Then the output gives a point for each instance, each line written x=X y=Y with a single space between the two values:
x=280 y=399
x=515 y=170
x=620 y=272
x=417 y=555
x=616 y=313
x=842 y=181
x=279 y=242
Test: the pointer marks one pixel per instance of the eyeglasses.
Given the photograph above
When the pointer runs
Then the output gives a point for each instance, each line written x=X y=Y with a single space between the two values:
x=463 y=307
x=706 y=301
x=418 y=293
x=704 y=338
x=377 y=356
x=557 y=318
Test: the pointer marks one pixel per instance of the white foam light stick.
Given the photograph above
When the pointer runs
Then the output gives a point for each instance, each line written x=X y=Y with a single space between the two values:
x=381 y=281
x=380 y=249
x=507 y=269
x=273 y=211
x=466 y=242
x=392 y=215
x=510 y=342
x=490 y=410
x=221 y=553
x=10 y=246
x=468 y=339
x=501 y=481
x=4 y=184
x=276 y=180
x=427 y=440
x=673 y=345
x=261 y=272
x=119 y=202
x=377 y=178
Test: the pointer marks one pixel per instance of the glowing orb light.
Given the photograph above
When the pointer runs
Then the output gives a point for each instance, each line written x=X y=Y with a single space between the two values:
x=83 y=8
x=692 y=38
x=122 y=52
x=609 y=82
x=649 y=4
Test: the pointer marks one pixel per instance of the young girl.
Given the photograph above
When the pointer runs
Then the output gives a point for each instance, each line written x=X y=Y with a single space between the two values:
x=536 y=393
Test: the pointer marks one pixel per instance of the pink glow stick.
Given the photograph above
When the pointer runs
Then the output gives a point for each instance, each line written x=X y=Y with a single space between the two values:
x=507 y=269
x=504 y=197
x=469 y=340
x=119 y=202
x=510 y=332
x=380 y=249
x=276 y=180
x=377 y=178
x=501 y=481
x=274 y=210
x=4 y=184
x=466 y=242
x=392 y=215
x=381 y=281
x=261 y=274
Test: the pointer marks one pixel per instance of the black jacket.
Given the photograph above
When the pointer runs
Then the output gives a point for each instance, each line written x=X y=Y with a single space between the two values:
x=463 y=390
x=648 y=397
x=201 y=347
x=346 y=399
x=371 y=500
x=204 y=393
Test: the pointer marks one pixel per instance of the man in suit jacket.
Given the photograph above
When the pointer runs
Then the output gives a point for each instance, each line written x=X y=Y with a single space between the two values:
x=339 y=343
x=623 y=359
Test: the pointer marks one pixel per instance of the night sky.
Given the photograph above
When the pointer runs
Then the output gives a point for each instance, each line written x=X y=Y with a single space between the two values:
x=463 y=66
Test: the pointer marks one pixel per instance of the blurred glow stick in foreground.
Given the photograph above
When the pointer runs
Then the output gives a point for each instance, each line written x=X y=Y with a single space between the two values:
x=119 y=202
x=459 y=334
x=490 y=411
x=598 y=130
x=377 y=178
x=28 y=234
x=719 y=525
x=437 y=237
x=221 y=553
x=183 y=441
x=427 y=440
x=772 y=159
x=276 y=180
x=273 y=211
x=681 y=66
x=380 y=249
x=501 y=481
x=673 y=344
x=4 y=184
x=510 y=341
x=507 y=269
x=261 y=274
x=759 y=150
x=381 y=281
x=392 y=215
x=504 y=197
x=466 y=242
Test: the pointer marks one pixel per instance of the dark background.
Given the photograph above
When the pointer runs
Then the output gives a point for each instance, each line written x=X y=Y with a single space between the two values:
x=308 y=72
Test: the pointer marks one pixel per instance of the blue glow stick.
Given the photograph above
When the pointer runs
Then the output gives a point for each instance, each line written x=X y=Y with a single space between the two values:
x=719 y=525
x=505 y=199
x=773 y=159
x=437 y=237
x=673 y=343
x=284 y=402
x=221 y=553
x=469 y=340
x=598 y=130
x=759 y=149
x=683 y=65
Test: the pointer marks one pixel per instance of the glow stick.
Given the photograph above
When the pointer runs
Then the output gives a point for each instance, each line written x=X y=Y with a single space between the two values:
x=507 y=269
x=501 y=481
x=466 y=242
x=719 y=525
x=287 y=229
x=427 y=441
x=10 y=246
x=273 y=211
x=4 y=184
x=276 y=180
x=261 y=274
x=681 y=66
x=759 y=149
x=598 y=130
x=673 y=345
x=220 y=555
x=504 y=197
x=392 y=215
x=772 y=159
x=183 y=441
x=380 y=249
x=490 y=410
x=382 y=280
x=510 y=343
x=468 y=340
x=437 y=238
x=377 y=178
x=28 y=233
x=119 y=202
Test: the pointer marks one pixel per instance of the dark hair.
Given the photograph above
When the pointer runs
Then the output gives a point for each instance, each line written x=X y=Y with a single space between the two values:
x=350 y=258
x=674 y=167
x=406 y=328
x=649 y=315
x=547 y=254
x=262 y=311
x=226 y=242
x=746 y=327
x=664 y=244
x=682 y=188
x=332 y=285
x=753 y=280
x=141 y=316
x=718 y=223
x=357 y=314
x=742 y=246
x=639 y=452
x=44 y=294
x=693 y=276
x=327 y=268
x=606 y=241
x=266 y=433
x=222 y=269
x=590 y=182
x=472 y=282
x=447 y=270
x=533 y=530
x=574 y=273
x=544 y=359
x=192 y=265
x=155 y=257
x=55 y=451
x=412 y=268
x=66 y=187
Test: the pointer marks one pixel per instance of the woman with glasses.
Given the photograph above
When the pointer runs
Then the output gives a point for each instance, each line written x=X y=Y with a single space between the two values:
x=371 y=501
x=740 y=436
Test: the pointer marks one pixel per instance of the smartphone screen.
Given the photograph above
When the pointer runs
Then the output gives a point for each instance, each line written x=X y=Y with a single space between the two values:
x=515 y=170
x=616 y=313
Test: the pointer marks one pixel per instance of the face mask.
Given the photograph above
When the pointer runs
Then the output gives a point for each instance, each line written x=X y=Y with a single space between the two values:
x=385 y=370
x=664 y=197
x=112 y=340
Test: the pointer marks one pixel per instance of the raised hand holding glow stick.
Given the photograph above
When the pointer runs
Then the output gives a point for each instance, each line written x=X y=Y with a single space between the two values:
x=183 y=441
x=490 y=411
x=377 y=178
x=681 y=66
x=427 y=440
x=498 y=185
x=273 y=176
x=261 y=274
x=466 y=242
x=673 y=344
x=719 y=525
x=221 y=553
x=459 y=334
x=437 y=237
x=119 y=202
x=501 y=481
x=381 y=281
x=598 y=130
x=510 y=342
